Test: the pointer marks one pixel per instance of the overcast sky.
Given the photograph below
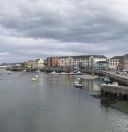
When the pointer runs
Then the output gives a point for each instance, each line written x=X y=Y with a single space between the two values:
x=40 y=28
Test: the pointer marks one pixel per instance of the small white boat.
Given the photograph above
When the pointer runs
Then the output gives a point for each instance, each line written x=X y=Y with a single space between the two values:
x=75 y=73
x=34 y=79
x=37 y=71
x=106 y=79
x=24 y=70
x=78 y=72
x=76 y=82
x=78 y=85
x=9 y=72
x=63 y=73
x=53 y=72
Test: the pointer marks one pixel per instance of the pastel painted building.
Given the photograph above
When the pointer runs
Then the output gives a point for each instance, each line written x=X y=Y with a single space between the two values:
x=39 y=63
x=53 y=61
x=116 y=63
x=66 y=61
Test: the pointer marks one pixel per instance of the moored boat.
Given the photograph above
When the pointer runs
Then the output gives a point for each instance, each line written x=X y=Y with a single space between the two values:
x=63 y=73
x=9 y=72
x=34 y=79
x=53 y=73
x=78 y=85
x=37 y=71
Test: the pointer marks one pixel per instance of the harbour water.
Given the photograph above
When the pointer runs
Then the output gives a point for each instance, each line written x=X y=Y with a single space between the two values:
x=52 y=104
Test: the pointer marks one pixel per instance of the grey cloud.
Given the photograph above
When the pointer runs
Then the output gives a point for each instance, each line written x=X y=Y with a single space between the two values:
x=76 y=27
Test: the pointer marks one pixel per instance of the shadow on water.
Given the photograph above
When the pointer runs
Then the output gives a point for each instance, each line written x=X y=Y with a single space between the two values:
x=114 y=103
x=108 y=102
x=93 y=87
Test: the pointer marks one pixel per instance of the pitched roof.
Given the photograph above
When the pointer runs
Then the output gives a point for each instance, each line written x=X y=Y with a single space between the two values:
x=84 y=56
x=117 y=57
x=101 y=62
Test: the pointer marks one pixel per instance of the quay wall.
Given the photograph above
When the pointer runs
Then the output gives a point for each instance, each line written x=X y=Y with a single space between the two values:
x=119 y=92
x=117 y=78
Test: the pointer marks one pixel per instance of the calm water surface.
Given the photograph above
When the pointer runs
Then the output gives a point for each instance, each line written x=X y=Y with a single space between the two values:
x=52 y=104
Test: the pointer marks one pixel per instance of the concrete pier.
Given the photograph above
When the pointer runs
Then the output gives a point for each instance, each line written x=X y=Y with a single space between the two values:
x=120 y=92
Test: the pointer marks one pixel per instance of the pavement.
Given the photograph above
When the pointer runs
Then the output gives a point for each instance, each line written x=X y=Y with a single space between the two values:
x=121 y=74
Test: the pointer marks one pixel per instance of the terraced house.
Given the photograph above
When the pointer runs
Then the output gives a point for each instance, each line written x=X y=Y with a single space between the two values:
x=82 y=61
x=116 y=63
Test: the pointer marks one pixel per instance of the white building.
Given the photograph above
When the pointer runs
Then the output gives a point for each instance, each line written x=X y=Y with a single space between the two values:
x=39 y=63
x=115 y=63
x=34 y=64
x=66 y=61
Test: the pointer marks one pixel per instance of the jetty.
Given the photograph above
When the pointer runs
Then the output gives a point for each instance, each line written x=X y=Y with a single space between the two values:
x=119 y=92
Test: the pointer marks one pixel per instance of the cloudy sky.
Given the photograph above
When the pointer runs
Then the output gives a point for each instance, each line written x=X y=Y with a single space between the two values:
x=40 y=28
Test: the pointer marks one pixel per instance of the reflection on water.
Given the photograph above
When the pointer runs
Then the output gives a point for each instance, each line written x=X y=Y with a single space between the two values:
x=53 y=104
x=93 y=85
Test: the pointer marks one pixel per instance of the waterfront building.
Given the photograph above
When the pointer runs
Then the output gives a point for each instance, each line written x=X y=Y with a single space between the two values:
x=78 y=61
x=87 y=61
x=53 y=61
x=82 y=62
x=66 y=62
x=29 y=64
x=116 y=63
x=97 y=62
x=101 y=65
x=39 y=63
x=34 y=64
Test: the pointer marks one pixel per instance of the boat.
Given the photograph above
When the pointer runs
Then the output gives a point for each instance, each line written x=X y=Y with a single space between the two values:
x=75 y=73
x=76 y=82
x=53 y=72
x=106 y=79
x=34 y=79
x=37 y=71
x=9 y=72
x=63 y=73
x=24 y=70
x=78 y=85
